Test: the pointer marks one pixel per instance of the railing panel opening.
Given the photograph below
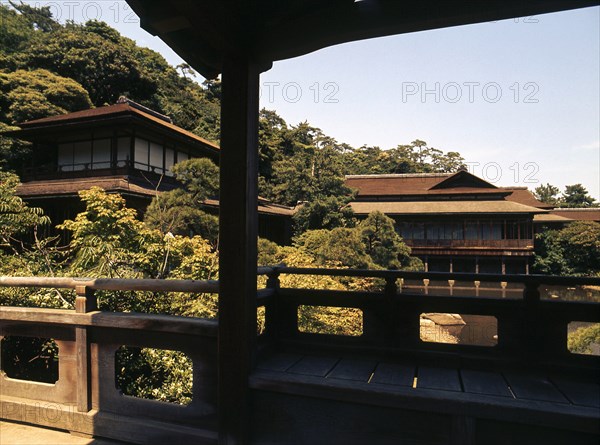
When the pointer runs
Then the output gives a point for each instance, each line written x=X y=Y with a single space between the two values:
x=463 y=329
x=570 y=293
x=154 y=374
x=30 y=358
x=260 y=320
x=330 y=320
x=462 y=288
x=584 y=338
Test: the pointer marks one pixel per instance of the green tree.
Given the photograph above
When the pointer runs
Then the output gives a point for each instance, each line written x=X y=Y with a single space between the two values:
x=180 y=211
x=339 y=247
x=88 y=55
x=39 y=93
x=577 y=196
x=15 y=31
x=573 y=250
x=107 y=238
x=383 y=244
x=39 y=18
x=325 y=213
x=548 y=194
x=16 y=217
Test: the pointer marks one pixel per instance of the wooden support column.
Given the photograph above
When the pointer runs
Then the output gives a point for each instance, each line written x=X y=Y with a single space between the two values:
x=84 y=302
x=532 y=341
x=238 y=222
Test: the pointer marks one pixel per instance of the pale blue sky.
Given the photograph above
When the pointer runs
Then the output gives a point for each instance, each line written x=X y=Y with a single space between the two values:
x=519 y=99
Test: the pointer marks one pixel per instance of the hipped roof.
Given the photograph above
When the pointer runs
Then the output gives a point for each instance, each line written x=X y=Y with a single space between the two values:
x=118 y=113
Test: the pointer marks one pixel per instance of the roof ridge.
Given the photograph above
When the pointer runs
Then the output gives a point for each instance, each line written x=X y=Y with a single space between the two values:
x=143 y=108
x=399 y=175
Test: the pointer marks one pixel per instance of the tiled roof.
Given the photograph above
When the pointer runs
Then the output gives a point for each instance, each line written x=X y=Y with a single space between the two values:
x=549 y=217
x=442 y=207
x=523 y=195
x=578 y=214
x=418 y=184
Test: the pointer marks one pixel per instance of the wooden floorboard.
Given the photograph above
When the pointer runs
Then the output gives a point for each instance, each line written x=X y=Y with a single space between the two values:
x=314 y=365
x=394 y=374
x=279 y=362
x=579 y=393
x=350 y=369
x=487 y=383
x=438 y=378
x=533 y=387
x=483 y=382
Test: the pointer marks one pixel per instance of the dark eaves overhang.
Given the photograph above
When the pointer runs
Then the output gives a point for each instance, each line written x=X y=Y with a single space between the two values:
x=204 y=32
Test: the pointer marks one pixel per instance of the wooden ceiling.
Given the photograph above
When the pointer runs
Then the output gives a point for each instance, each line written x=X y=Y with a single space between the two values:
x=203 y=32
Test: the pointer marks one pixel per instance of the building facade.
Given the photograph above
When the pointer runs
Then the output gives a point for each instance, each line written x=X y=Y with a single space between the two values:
x=455 y=222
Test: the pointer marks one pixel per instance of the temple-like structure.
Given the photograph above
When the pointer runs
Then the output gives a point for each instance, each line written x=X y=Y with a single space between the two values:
x=455 y=222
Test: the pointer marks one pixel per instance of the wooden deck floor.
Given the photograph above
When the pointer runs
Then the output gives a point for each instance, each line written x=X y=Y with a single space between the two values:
x=380 y=374
x=404 y=399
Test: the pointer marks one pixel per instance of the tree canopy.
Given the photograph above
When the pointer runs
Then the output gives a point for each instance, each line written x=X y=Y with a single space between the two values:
x=573 y=196
x=181 y=211
x=573 y=250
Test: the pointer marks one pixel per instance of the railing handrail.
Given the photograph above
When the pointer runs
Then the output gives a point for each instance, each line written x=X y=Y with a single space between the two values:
x=114 y=284
x=437 y=276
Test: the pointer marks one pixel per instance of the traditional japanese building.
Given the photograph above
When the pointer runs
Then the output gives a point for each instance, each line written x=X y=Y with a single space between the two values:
x=455 y=222
x=124 y=148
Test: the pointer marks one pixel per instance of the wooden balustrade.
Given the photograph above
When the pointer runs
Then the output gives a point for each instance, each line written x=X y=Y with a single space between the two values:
x=462 y=243
x=85 y=399
x=532 y=334
x=530 y=330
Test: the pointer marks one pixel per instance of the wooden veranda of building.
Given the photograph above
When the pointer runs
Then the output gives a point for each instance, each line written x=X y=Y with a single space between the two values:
x=290 y=387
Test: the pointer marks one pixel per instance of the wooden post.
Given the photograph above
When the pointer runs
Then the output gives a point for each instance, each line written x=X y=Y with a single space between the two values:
x=272 y=310
x=531 y=322
x=389 y=317
x=84 y=302
x=238 y=221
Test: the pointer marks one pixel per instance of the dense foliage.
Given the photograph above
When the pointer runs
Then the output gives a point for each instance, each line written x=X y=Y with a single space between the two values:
x=181 y=211
x=574 y=196
x=573 y=250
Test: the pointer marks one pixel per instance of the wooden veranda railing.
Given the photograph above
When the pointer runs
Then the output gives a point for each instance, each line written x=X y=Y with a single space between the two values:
x=531 y=334
x=531 y=330
x=85 y=399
